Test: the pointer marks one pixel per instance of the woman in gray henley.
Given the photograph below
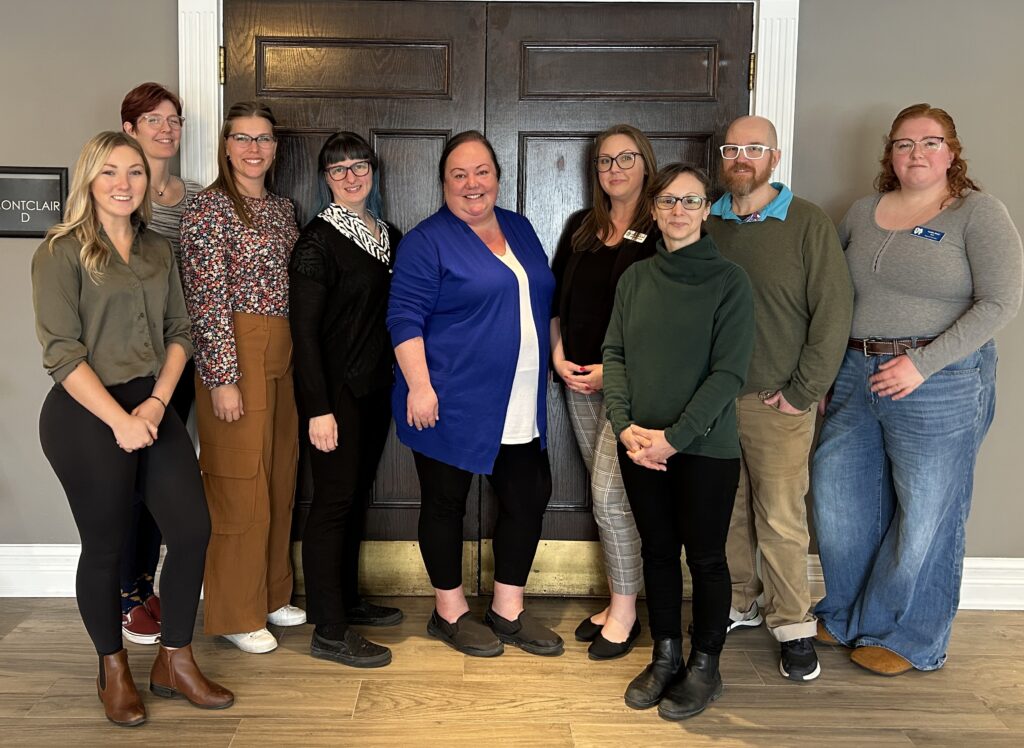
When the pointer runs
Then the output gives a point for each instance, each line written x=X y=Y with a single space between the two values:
x=936 y=267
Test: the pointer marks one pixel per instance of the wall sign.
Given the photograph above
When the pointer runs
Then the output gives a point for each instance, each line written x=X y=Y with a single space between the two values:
x=31 y=199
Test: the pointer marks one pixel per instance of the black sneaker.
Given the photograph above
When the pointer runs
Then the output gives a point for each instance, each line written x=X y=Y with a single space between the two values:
x=465 y=635
x=526 y=632
x=353 y=650
x=368 y=614
x=799 y=662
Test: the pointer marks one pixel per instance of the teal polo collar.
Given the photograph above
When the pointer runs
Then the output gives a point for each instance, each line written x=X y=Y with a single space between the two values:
x=778 y=208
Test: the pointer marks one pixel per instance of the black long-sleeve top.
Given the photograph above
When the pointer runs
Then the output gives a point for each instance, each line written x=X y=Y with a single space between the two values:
x=339 y=302
x=585 y=284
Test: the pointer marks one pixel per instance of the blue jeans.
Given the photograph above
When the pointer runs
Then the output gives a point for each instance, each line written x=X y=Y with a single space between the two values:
x=892 y=485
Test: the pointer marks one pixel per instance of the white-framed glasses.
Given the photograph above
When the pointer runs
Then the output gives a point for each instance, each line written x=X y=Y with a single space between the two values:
x=338 y=173
x=690 y=202
x=157 y=120
x=905 y=146
x=263 y=141
x=753 y=152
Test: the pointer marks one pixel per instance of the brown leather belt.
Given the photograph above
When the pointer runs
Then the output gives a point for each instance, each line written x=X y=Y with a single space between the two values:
x=887 y=346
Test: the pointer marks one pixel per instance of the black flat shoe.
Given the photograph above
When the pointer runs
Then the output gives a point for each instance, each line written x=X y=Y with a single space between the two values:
x=353 y=650
x=368 y=614
x=465 y=635
x=527 y=633
x=602 y=649
x=587 y=631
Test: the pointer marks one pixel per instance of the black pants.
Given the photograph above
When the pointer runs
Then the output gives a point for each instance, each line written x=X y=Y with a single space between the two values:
x=688 y=506
x=99 y=479
x=141 y=551
x=522 y=480
x=342 y=481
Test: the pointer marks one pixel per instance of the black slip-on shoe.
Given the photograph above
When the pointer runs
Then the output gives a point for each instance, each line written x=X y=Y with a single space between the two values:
x=465 y=635
x=602 y=649
x=369 y=614
x=353 y=650
x=527 y=633
x=587 y=631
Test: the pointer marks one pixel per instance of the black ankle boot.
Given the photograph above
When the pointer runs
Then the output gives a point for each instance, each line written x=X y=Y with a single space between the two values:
x=700 y=685
x=646 y=689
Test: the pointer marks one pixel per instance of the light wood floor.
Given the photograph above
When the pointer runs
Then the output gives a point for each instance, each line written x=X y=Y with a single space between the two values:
x=432 y=695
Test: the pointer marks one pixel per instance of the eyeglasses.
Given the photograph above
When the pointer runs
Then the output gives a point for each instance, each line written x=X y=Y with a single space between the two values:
x=359 y=168
x=905 y=146
x=753 y=152
x=263 y=141
x=157 y=120
x=625 y=160
x=690 y=202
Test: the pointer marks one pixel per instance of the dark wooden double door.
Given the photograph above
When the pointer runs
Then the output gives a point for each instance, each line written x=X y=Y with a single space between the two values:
x=540 y=79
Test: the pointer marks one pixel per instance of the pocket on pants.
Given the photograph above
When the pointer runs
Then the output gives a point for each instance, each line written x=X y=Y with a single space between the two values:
x=231 y=478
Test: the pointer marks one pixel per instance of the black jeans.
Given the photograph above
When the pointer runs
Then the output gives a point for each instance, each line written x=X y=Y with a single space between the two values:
x=688 y=506
x=141 y=552
x=522 y=480
x=342 y=481
x=99 y=479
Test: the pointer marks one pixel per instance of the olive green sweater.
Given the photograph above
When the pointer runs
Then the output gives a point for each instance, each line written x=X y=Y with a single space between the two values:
x=803 y=299
x=678 y=346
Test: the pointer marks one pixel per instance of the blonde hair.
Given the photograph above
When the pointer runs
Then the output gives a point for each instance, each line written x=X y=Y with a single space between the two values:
x=80 y=218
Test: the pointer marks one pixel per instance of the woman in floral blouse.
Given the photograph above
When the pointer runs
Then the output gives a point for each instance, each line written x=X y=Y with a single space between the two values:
x=236 y=242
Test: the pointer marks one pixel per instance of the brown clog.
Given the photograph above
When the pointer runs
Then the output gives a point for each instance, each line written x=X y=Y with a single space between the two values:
x=175 y=674
x=880 y=661
x=116 y=689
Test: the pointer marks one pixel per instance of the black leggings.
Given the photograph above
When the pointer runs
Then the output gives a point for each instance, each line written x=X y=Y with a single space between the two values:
x=342 y=480
x=689 y=505
x=521 y=478
x=100 y=480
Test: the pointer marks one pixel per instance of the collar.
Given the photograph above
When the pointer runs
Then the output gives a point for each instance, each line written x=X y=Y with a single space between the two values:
x=778 y=208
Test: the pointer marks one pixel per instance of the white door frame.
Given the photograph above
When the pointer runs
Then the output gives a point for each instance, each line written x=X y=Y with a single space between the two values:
x=200 y=35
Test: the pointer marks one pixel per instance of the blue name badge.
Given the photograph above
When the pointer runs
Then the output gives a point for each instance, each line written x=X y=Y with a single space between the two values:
x=926 y=233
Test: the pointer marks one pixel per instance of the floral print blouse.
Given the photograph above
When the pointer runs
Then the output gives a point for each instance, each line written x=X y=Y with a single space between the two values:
x=229 y=267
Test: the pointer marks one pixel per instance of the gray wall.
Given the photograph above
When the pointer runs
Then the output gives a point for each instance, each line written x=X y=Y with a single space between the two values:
x=860 y=62
x=67 y=64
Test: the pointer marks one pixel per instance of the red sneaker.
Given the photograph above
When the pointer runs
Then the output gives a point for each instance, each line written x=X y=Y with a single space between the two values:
x=138 y=626
x=152 y=605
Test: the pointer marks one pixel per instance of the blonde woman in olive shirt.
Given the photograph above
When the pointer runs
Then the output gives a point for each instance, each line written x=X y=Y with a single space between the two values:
x=675 y=357
x=110 y=316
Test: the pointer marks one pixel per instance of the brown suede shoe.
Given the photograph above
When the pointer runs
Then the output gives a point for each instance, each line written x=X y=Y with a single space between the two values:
x=116 y=689
x=880 y=660
x=825 y=637
x=175 y=674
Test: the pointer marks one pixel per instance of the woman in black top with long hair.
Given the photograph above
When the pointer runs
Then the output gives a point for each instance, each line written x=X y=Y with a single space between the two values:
x=340 y=275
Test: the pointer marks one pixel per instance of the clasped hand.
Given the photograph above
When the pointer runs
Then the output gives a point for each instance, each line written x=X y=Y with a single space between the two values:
x=647 y=447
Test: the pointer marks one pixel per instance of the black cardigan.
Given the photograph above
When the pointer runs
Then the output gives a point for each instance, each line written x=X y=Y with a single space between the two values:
x=338 y=304
x=581 y=342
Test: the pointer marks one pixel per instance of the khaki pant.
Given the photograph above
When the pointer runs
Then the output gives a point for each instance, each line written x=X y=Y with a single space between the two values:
x=770 y=515
x=249 y=475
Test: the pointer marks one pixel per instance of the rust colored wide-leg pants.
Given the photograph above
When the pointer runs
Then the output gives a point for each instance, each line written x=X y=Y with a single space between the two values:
x=249 y=474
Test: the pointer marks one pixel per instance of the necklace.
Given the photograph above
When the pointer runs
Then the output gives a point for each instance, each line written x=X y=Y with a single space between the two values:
x=160 y=193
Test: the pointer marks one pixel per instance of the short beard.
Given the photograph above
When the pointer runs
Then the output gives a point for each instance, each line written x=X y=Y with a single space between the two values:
x=742 y=186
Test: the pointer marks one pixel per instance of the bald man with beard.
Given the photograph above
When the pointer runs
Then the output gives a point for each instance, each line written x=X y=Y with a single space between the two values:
x=803 y=305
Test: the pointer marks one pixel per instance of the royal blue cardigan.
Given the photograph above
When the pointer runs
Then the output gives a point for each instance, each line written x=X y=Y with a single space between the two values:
x=450 y=289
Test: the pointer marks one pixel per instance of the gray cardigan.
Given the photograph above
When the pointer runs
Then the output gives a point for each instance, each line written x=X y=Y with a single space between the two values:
x=957 y=277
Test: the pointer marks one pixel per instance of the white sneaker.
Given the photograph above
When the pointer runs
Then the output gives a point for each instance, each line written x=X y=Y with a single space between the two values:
x=253 y=642
x=287 y=615
x=752 y=618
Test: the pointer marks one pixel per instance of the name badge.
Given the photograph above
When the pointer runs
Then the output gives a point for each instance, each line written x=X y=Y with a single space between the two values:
x=635 y=236
x=926 y=233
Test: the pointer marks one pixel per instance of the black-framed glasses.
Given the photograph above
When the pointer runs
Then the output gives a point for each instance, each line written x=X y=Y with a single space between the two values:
x=625 y=160
x=157 y=120
x=262 y=141
x=905 y=146
x=754 y=152
x=690 y=202
x=338 y=173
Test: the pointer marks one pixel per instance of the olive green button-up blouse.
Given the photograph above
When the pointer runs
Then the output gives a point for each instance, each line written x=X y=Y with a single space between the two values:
x=122 y=323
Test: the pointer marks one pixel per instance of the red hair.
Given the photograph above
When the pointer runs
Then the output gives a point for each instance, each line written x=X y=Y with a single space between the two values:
x=145 y=98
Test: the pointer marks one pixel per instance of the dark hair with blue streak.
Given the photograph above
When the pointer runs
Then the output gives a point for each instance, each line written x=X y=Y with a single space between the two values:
x=342 y=146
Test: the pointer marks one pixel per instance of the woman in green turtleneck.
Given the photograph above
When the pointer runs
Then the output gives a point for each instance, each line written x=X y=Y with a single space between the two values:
x=675 y=358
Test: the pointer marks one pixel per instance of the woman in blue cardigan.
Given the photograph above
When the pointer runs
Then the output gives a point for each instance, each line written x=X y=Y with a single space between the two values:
x=469 y=319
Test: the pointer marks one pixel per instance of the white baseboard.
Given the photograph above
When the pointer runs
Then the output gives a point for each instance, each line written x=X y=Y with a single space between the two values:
x=49 y=571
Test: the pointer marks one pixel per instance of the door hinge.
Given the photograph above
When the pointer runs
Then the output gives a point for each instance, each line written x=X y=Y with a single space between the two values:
x=221 y=65
x=751 y=71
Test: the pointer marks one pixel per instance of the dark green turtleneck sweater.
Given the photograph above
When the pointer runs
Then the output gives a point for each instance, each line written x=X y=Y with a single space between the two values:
x=678 y=346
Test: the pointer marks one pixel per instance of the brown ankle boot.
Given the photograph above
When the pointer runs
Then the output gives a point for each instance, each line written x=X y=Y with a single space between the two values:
x=176 y=674
x=117 y=691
